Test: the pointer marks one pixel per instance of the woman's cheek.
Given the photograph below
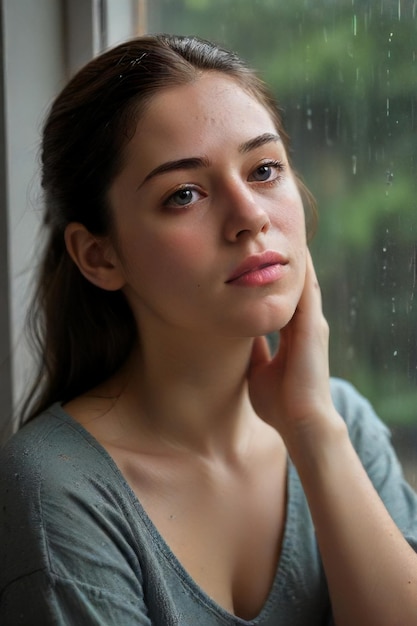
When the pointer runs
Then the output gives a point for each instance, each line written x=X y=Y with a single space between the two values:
x=172 y=256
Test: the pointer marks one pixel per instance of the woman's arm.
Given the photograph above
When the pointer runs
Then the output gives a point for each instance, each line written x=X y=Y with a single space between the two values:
x=370 y=568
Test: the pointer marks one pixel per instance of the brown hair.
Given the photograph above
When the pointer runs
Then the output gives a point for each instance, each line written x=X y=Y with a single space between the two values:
x=81 y=333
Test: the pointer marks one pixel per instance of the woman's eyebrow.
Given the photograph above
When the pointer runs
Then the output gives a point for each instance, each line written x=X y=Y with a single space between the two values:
x=180 y=164
x=259 y=141
x=196 y=162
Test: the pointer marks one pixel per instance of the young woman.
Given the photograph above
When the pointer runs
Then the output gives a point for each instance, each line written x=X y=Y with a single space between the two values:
x=172 y=472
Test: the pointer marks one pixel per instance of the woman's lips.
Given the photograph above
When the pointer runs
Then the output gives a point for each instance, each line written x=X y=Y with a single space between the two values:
x=258 y=270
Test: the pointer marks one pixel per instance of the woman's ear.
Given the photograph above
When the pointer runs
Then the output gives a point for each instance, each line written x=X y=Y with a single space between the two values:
x=94 y=256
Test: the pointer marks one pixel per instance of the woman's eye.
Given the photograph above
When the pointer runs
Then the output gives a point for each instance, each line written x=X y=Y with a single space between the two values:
x=267 y=171
x=182 y=197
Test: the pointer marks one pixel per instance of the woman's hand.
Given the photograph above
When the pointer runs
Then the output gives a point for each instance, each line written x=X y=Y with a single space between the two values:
x=370 y=568
x=291 y=391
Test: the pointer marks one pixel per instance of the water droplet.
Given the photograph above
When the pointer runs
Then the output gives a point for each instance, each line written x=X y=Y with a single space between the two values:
x=309 y=120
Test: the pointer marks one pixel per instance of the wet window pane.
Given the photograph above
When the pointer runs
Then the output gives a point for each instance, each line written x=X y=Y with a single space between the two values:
x=345 y=72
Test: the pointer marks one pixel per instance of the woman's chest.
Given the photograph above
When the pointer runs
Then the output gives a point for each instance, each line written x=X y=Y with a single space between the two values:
x=224 y=526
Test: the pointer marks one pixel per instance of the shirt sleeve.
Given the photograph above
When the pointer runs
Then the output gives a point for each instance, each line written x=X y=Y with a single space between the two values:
x=372 y=442
x=67 y=553
x=41 y=599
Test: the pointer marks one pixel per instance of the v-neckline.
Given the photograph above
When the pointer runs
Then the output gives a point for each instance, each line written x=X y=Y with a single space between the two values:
x=174 y=562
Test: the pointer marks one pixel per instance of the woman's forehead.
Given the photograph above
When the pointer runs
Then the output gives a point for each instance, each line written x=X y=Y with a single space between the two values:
x=213 y=103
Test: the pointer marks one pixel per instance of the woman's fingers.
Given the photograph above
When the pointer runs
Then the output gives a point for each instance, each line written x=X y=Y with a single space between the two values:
x=294 y=385
x=260 y=353
x=310 y=301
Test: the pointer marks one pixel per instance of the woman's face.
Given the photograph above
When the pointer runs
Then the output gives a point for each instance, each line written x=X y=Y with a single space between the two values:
x=208 y=218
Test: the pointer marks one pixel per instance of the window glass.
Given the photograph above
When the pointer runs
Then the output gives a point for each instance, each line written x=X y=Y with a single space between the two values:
x=345 y=73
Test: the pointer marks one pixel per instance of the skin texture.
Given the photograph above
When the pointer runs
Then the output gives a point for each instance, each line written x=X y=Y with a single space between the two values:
x=207 y=457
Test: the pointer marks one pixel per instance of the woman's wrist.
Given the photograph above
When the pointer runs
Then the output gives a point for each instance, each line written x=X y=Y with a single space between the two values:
x=317 y=441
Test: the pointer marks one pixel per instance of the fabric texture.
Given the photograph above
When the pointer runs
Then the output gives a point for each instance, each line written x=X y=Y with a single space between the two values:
x=76 y=546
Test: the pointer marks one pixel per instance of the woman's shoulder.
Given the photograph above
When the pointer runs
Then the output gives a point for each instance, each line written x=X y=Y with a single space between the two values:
x=46 y=442
x=66 y=520
x=53 y=459
x=370 y=437
x=356 y=409
x=55 y=483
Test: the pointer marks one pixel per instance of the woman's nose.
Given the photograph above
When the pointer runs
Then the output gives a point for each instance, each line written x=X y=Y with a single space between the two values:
x=245 y=215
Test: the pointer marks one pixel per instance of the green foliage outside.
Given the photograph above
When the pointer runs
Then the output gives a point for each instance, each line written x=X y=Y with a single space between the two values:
x=345 y=73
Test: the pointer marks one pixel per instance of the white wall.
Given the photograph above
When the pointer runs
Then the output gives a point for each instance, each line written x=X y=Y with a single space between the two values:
x=33 y=67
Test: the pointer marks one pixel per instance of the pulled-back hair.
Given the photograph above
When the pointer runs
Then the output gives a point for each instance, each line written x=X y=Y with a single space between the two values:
x=82 y=333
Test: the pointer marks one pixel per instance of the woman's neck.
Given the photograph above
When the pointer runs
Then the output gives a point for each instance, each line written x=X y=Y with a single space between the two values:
x=190 y=394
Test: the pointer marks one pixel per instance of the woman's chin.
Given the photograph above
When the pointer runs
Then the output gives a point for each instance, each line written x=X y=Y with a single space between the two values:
x=274 y=318
x=262 y=325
